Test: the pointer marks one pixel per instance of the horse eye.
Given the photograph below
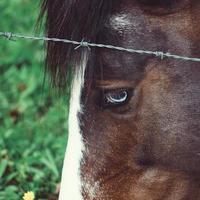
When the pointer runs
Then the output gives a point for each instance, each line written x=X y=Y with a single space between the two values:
x=115 y=97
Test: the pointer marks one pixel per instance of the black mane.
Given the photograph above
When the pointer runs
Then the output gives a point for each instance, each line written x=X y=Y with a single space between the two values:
x=75 y=20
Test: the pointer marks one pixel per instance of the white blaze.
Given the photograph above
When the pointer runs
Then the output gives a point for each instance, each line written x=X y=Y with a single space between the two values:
x=71 y=180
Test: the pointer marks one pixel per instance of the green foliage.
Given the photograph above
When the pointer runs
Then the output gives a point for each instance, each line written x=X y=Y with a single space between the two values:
x=33 y=120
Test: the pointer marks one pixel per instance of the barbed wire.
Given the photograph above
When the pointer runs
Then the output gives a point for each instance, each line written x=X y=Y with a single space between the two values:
x=11 y=36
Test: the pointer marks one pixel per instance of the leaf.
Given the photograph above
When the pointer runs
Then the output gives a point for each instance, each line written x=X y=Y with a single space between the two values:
x=49 y=162
x=3 y=166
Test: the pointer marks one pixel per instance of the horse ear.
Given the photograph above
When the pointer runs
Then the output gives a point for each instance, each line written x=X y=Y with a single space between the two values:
x=75 y=20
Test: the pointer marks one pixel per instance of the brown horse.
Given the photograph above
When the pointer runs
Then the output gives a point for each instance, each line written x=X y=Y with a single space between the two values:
x=134 y=119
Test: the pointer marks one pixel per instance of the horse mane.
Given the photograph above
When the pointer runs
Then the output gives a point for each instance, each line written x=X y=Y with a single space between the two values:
x=75 y=20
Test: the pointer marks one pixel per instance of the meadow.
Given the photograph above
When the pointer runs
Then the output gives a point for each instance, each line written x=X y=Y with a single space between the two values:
x=33 y=119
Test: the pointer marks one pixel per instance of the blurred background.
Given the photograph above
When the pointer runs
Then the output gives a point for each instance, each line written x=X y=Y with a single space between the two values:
x=33 y=120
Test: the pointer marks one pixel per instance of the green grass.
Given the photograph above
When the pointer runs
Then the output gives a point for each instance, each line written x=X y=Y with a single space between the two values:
x=33 y=120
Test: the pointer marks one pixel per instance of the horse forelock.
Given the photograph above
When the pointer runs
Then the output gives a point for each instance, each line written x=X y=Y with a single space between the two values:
x=76 y=20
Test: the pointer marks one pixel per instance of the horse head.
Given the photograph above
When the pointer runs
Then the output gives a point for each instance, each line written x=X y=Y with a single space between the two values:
x=134 y=119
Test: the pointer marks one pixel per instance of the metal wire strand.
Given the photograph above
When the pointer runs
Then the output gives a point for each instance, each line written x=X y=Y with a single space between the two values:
x=82 y=43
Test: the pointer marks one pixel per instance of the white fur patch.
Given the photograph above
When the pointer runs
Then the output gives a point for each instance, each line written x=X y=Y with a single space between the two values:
x=91 y=189
x=120 y=21
x=71 y=180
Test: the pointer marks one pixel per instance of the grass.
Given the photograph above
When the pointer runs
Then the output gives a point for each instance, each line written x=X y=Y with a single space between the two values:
x=33 y=120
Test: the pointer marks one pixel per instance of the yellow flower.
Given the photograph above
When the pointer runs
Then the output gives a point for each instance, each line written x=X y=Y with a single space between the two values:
x=29 y=196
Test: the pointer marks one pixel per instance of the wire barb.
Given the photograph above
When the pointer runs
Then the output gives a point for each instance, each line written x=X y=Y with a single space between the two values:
x=160 y=54
x=7 y=35
x=83 y=43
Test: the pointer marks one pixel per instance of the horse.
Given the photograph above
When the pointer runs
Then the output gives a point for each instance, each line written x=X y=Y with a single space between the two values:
x=133 y=119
